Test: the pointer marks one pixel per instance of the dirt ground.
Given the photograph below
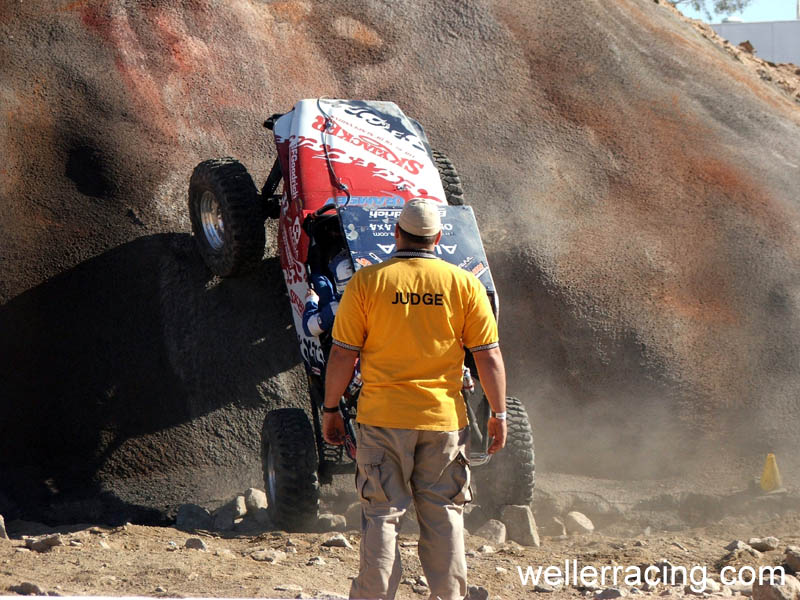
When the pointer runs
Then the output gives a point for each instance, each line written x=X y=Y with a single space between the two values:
x=153 y=561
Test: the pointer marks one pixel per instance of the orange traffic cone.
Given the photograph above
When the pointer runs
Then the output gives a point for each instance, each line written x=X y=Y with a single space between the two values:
x=771 y=476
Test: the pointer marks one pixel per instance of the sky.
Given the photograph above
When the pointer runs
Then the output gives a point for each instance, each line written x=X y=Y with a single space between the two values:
x=758 y=10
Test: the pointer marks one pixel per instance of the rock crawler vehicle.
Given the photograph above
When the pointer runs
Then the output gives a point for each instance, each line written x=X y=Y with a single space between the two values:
x=346 y=169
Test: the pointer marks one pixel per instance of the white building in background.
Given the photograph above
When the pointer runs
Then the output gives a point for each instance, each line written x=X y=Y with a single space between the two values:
x=775 y=41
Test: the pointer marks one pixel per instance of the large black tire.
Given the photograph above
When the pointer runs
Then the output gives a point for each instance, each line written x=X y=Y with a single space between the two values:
x=510 y=476
x=227 y=221
x=289 y=458
x=453 y=191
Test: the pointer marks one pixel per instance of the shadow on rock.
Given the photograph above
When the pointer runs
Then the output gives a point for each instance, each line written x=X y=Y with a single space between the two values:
x=138 y=380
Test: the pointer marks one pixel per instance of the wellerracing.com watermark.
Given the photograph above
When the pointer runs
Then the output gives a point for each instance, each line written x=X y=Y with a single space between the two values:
x=695 y=576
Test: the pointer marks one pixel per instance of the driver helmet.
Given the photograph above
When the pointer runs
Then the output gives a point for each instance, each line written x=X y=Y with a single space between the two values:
x=342 y=270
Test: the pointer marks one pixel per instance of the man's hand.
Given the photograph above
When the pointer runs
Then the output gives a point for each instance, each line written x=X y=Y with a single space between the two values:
x=497 y=430
x=333 y=428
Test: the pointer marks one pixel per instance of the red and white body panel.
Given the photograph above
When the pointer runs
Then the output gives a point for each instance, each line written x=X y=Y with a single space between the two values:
x=379 y=154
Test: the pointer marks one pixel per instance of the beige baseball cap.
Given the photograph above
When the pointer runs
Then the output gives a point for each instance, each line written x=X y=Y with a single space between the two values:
x=420 y=217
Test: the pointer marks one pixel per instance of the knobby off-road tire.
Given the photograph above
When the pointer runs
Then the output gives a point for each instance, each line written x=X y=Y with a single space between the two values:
x=289 y=459
x=510 y=476
x=227 y=221
x=453 y=191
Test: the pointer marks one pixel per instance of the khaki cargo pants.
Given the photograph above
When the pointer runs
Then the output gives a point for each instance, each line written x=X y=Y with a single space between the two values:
x=394 y=466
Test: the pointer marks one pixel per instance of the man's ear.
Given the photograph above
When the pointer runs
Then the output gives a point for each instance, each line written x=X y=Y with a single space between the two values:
x=396 y=233
x=438 y=237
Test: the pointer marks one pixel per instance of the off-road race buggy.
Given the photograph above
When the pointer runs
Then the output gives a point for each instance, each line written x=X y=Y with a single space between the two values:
x=347 y=168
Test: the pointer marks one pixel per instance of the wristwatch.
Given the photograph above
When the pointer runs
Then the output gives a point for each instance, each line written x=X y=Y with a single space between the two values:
x=500 y=416
x=330 y=409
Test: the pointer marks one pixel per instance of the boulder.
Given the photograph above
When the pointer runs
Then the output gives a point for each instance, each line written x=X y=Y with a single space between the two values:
x=337 y=541
x=493 y=531
x=251 y=524
x=790 y=590
x=27 y=588
x=610 y=593
x=329 y=522
x=791 y=557
x=239 y=507
x=195 y=544
x=269 y=555
x=765 y=544
x=477 y=592
x=577 y=523
x=191 y=517
x=255 y=500
x=520 y=525
x=226 y=515
x=43 y=543
x=737 y=545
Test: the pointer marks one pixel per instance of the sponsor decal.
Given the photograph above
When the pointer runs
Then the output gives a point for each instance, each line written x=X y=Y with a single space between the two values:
x=369 y=144
x=293 y=171
x=297 y=303
x=377 y=201
x=449 y=249
x=392 y=125
x=463 y=264
x=304 y=148
x=479 y=269
x=311 y=352
x=390 y=213
x=386 y=249
x=293 y=267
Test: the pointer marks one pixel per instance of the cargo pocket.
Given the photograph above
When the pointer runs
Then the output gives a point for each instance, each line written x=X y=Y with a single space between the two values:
x=368 y=474
x=462 y=479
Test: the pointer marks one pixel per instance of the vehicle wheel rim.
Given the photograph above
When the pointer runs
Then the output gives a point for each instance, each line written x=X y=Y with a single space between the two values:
x=211 y=217
x=272 y=484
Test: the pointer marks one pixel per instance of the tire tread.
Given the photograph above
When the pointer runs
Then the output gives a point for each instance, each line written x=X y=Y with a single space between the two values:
x=288 y=432
x=231 y=183
x=451 y=182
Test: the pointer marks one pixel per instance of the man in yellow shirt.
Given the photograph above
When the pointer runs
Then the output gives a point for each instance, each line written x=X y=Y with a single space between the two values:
x=409 y=319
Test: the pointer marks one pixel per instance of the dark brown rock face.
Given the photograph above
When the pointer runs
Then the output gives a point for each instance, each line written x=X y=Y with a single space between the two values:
x=636 y=189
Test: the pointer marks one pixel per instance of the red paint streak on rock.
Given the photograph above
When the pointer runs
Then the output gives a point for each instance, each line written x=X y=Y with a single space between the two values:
x=132 y=65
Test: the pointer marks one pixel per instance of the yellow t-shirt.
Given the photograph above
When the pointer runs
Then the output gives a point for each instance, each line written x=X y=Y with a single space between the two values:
x=411 y=318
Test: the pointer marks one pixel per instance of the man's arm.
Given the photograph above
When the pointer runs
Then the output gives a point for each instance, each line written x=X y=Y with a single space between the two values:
x=492 y=373
x=339 y=372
